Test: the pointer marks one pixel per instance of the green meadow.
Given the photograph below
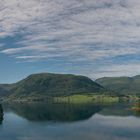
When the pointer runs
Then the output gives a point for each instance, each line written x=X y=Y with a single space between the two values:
x=86 y=99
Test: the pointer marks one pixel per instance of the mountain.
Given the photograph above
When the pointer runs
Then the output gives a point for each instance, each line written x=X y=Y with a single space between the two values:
x=5 y=89
x=122 y=85
x=49 y=84
x=3 y=92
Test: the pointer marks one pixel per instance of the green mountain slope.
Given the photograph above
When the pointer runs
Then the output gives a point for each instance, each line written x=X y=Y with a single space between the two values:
x=122 y=85
x=3 y=92
x=53 y=85
x=5 y=89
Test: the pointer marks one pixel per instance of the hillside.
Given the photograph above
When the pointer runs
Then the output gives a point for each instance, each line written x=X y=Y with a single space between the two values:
x=3 y=92
x=5 y=89
x=53 y=85
x=122 y=85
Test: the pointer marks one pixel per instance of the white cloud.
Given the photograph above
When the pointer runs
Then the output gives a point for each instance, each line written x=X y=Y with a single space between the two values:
x=84 y=30
x=112 y=70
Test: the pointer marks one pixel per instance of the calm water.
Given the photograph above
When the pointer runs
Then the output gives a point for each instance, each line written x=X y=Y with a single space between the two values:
x=69 y=122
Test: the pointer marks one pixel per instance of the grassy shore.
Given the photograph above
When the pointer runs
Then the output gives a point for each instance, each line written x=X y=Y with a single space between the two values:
x=68 y=99
x=77 y=98
x=86 y=99
x=136 y=107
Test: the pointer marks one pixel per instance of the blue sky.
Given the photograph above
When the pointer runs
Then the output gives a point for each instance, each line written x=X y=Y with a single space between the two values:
x=95 y=38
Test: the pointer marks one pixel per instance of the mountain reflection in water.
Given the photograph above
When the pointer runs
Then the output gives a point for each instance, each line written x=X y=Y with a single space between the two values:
x=41 y=121
x=54 y=112
x=66 y=112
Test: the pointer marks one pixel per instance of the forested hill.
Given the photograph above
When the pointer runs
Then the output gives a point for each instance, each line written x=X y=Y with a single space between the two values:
x=122 y=85
x=52 y=85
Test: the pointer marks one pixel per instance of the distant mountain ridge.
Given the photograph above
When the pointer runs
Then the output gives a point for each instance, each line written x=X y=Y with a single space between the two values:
x=50 y=84
x=122 y=85
x=53 y=85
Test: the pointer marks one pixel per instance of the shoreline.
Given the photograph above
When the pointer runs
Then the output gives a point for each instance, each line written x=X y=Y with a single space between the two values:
x=76 y=99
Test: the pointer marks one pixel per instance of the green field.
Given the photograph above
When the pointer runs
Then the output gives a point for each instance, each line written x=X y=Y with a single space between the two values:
x=77 y=98
x=86 y=99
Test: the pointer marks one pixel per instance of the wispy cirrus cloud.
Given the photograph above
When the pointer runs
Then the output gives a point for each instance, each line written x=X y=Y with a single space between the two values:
x=131 y=69
x=76 y=30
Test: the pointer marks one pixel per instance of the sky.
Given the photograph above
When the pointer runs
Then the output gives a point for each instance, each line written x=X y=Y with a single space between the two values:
x=95 y=38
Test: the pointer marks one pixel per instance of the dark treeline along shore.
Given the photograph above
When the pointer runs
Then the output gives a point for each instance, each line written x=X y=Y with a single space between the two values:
x=71 y=88
x=1 y=114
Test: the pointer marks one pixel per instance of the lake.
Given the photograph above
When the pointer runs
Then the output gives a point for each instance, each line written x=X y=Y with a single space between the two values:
x=42 y=121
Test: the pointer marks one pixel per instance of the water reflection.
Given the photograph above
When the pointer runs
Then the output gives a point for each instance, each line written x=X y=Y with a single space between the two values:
x=67 y=112
x=120 y=109
x=54 y=112
x=107 y=122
